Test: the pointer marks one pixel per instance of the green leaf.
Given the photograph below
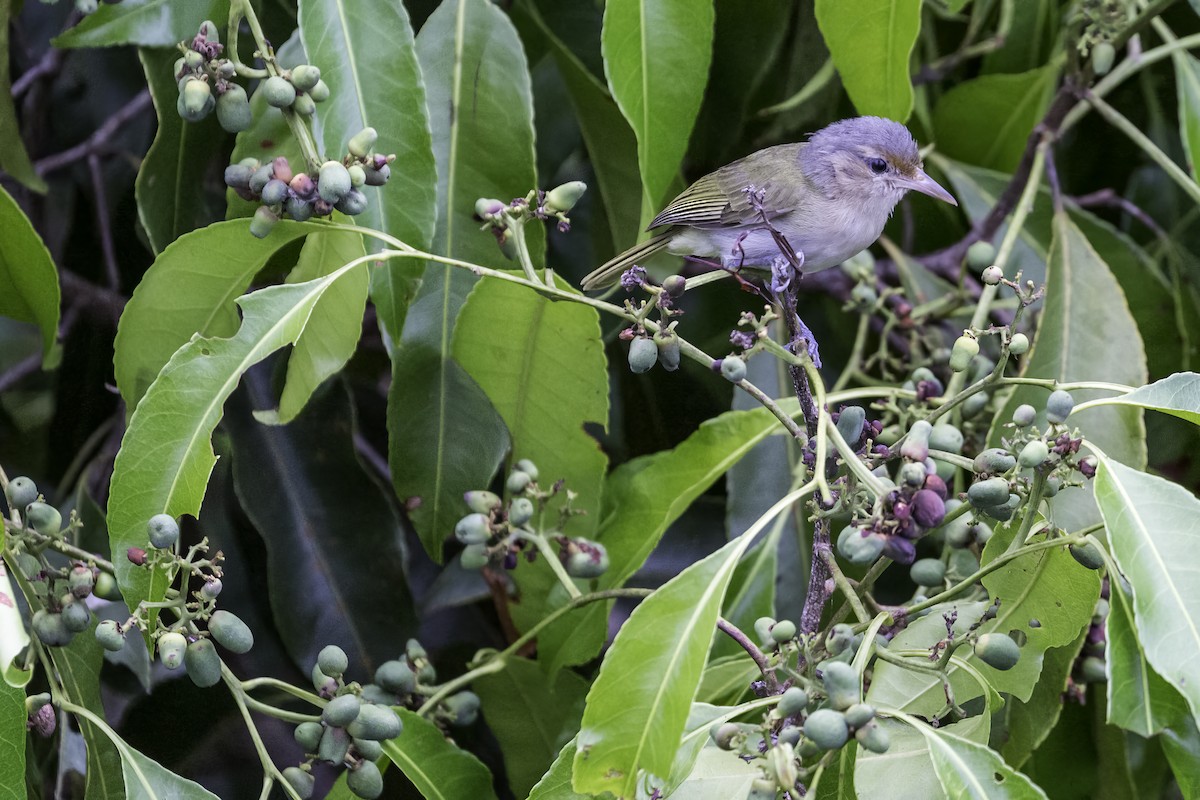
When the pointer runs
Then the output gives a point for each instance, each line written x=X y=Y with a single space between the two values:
x=146 y=779
x=638 y=705
x=870 y=42
x=986 y=120
x=1187 y=85
x=532 y=717
x=1032 y=38
x=78 y=665
x=366 y=52
x=656 y=59
x=293 y=483
x=333 y=330
x=641 y=499
x=1028 y=723
x=837 y=782
x=12 y=742
x=191 y=288
x=14 y=159
x=1152 y=528
x=147 y=23
x=717 y=775
x=437 y=768
x=905 y=771
x=1071 y=346
x=28 y=278
x=1182 y=748
x=1177 y=395
x=169 y=189
x=751 y=592
x=556 y=783
x=726 y=678
x=166 y=455
x=694 y=770
x=968 y=769
x=1139 y=700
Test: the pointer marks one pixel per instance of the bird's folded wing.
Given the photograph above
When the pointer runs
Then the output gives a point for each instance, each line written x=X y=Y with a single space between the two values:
x=719 y=199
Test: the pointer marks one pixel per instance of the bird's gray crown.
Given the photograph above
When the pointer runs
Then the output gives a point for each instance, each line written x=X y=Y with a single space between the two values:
x=862 y=137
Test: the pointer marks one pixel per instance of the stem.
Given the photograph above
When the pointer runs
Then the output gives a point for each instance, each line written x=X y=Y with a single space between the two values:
x=517 y=228
x=760 y=658
x=449 y=687
x=240 y=698
x=844 y=586
x=1035 y=499
x=279 y=713
x=552 y=559
x=283 y=686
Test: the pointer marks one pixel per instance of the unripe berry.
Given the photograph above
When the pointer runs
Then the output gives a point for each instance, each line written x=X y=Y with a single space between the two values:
x=668 y=350
x=988 y=493
x=783 y=631
x=674 y=285
x=947 y=437
x=993 y=275
x=320 y=92
x=1103 y=55
x=81 y=580
x=980 y=255
x=360 y=144
x=333 y=181
x=856 y=548
x=587 y=562
x=725 y=735
x=304 y=105
x=264 y=222
x=874 y=737
x=1019 y=344
x=230 y=632
x=1024 y=415
x=841 y=683
x=563 y=198
x=827 y=729
x=528 y=467
x=520 y=511
x=517 y=480
x=733 y=369
x=195 y=100
x=378 y=177
x=233 y=109
x=300 y=781
x=341 y=711
x=643 y=354
x=916 y=444
x=308 y=735
x=43 y=518
x=171 y=646
x=211 y=588
x=367 y=749
x=463 y=707
x=278 y=92
x=332 y=660
x=474 y=556
x=50 y=629
x=358 y=175
x=298 y=208
x=208 y=29
x=334 y=745
x=396 y=677
x=1033 y=454
x=365 y=780
x=1059 y=405
x=305 y=77
x=110 y=636
x=21 y=491
x=997 y=650
x=163 y=531
x=994 y=461
x=275 y=192
x=76 y=617
x=965 y=348
x=792 y=701
x=1088 y=555
x=376 y=723
x=859 y=715
x=482 y=501
x=261 y=176
x=473 y=529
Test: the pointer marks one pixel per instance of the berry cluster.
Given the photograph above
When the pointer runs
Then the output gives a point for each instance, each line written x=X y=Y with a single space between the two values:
x=501 y=218
x=206 y=82
x=661 y=347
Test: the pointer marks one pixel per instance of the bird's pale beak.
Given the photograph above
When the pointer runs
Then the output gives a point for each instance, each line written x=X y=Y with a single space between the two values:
x=926 y=185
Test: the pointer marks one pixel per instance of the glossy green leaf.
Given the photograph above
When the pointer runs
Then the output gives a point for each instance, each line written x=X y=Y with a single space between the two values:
x=694 y=770
x=871 y=42
x=1182 y=749
x=641 y=499
x=1032 y=38
x=837 y=783
x=437 y=768
x=968 y=769
x=532 y=717
x=1178 y=395
x=717 y=775
x=906 y=771
x=293 y=483
x=1070 y=346
x=166 y=455
x=28 y=278
x=366 y=52
x=1139 y=700
x=1187 y=85
x=986 y=120
x=170 y=190
x=726 y=678
x=556 y=783
x=1152 y=528
x=12 y=742
x=191 y=288
x=656 y=59
x=751 y=592
x=333 y=330
x=638 y=705
x=78 y=666
x=481 y=115
x=14 y=159
x=147 y=23
x=1028 y=723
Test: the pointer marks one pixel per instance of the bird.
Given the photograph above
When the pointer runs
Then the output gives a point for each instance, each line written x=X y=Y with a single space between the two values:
x=829 y=197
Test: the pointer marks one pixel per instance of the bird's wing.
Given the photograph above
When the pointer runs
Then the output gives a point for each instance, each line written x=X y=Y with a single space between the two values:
x=719 y=198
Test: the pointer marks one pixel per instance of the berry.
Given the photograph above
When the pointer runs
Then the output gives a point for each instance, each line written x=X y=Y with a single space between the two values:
x=988 y=493
x=1093 y=670
x=792 y=701
x=260 y=177
x=365 y=780
x=374 y=722
x=275 y=192
x=997 y=650
x=1088 y=555
x=587 y=559
x=827 y=729
x=50 y=629
x=733 y=369
x=841 y=683
x=365 y=748
x=358 y=175
x=333 y=181
x=518 y=479
x=994 y=461
x=334 y=745
x=305 y=77
x=980 y=254
x=396 y=677
x=332 y=660
x=463 y=708
x=230 y=632
x=278 y=92
x=474 y=556
x=1024 y=415
x=840 y=638
x=927 y=572
x=725 y=735
x=341 y=711
x=320 y=92
x=762 y=628
x=352 y=202
x=163 y=531
x=302 y=782
x=110 y=636
x=76 y=617
x=304 y=105
x=308 y=735
x=263 y=222
x=916 y=444
x=874 y=737
x=211 y=588
x=858 y=548
x=325 y=685
x=171 y=646
x=668 y=350
x=520 y=511
x=993 y=275
x=927 y=509
x=563 y=198
x=473 y=529
x=233 y=109
x=1033 y=454
x=783 y=631
x=528 y=467
x=21 y=491
x=360 y=143
x=643 y=354
x=377 y=177
x=1019 y=344
x=1059 y=405
x=43 y=518
x=297 y=208
x=965 y=348
x=674 y=285
x=1103 y=55
x=859 y=714
x=81 y=581
x=195 y=100
x=850 y=423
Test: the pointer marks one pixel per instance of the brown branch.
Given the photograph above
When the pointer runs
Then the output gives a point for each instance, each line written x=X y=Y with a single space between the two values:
x=98 y=142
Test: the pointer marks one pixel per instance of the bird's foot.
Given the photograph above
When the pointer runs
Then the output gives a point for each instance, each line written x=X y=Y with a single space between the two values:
x=804 y=337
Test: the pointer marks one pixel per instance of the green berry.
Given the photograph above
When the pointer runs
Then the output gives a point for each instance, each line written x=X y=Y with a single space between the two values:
x=859 y=715
x=994 y=461
x=208 y=29
x=275 y=192
x=863 y=296
x=1059 y=405
x=1103 y=55
x=320 y=92
x=195 y=100
x=278 y=92
x=106 y=587
x=1033 y=454
x=376 y=694
x=332 y=660
x=1019 y=344
x=50 y=629
x=333 y=181
x=473 y=529
x=305 y=77
x=367 y=749
x=587 y=562
x=76 y=617
x=110 y=636
x=725 y=735
x=965 y=348
x=997 y=650
x=980 y=254
x=81 y=581
x=668 y=350
x=298 y=208
x=341 y=710
x=916 y=443
x=358 y=175
x=171 y=647
x=302 y=782
x=856 y=548
x=520 y=511
x=263 y=222
x=43 y=518
x=874 y=737
x=643 y=354
x=30 y=566
x=1088 y=555
x=563 y=198
x=1024 y=415
x=974 y=405
x=827 y=729
x=365 y=780
x=839 y=639
x=783 y=631
x=202 y=663
x=1094 y=670
x=211 y=589
x=850 y=423
x=334 y=745
x=308 y=735
x=733 y=369
x=674 y=285
x=841 y=683
x=163 y=531
x=230 y=632
x=946 y=437
x=325 y=685
x=463 y=708
x=21 y=491
x=518 y=479
x=396 y=677
x=374 y=722
x=474 y=557
x=927 y=572
x=482 y=501
x=762 y=628
x=528 y=467
x=233 y=109
x=792 y=701
x=360 y=143
x=988 y=493
x=304 y=105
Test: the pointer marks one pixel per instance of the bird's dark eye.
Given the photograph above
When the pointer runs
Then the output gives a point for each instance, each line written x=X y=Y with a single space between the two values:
x=877 y=165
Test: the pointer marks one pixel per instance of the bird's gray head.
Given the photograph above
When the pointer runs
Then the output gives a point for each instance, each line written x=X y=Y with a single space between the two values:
x=870 y=159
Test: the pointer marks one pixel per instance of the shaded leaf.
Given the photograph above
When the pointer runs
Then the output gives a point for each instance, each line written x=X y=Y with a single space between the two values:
x=968 y=769
x=146 y=779
x=169 y=189
x=147 y=23
x=28 y=278
x=1182 y=749
x=656 y=59
x=439 y=769
x=1187 y=85
x=556 y=783
x=870 y=42
x=837 y=783
x=726 y=678
x=78 y=665
x=12 y=742
x=532 y=717
x=1152 y=528
x=1028 y=723
x=14 y=160
x=986 y=120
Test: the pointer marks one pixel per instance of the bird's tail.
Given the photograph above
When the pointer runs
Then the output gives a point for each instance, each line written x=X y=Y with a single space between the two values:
x=608 y=272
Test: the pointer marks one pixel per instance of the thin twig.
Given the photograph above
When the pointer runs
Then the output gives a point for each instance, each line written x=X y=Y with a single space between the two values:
x=104 y=223
x=47 y=66
x=757 y=655
x=98 y=142
x=19 y=371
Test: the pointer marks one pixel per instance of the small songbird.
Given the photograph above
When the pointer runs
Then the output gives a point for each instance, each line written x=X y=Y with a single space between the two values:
x=829 y=197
